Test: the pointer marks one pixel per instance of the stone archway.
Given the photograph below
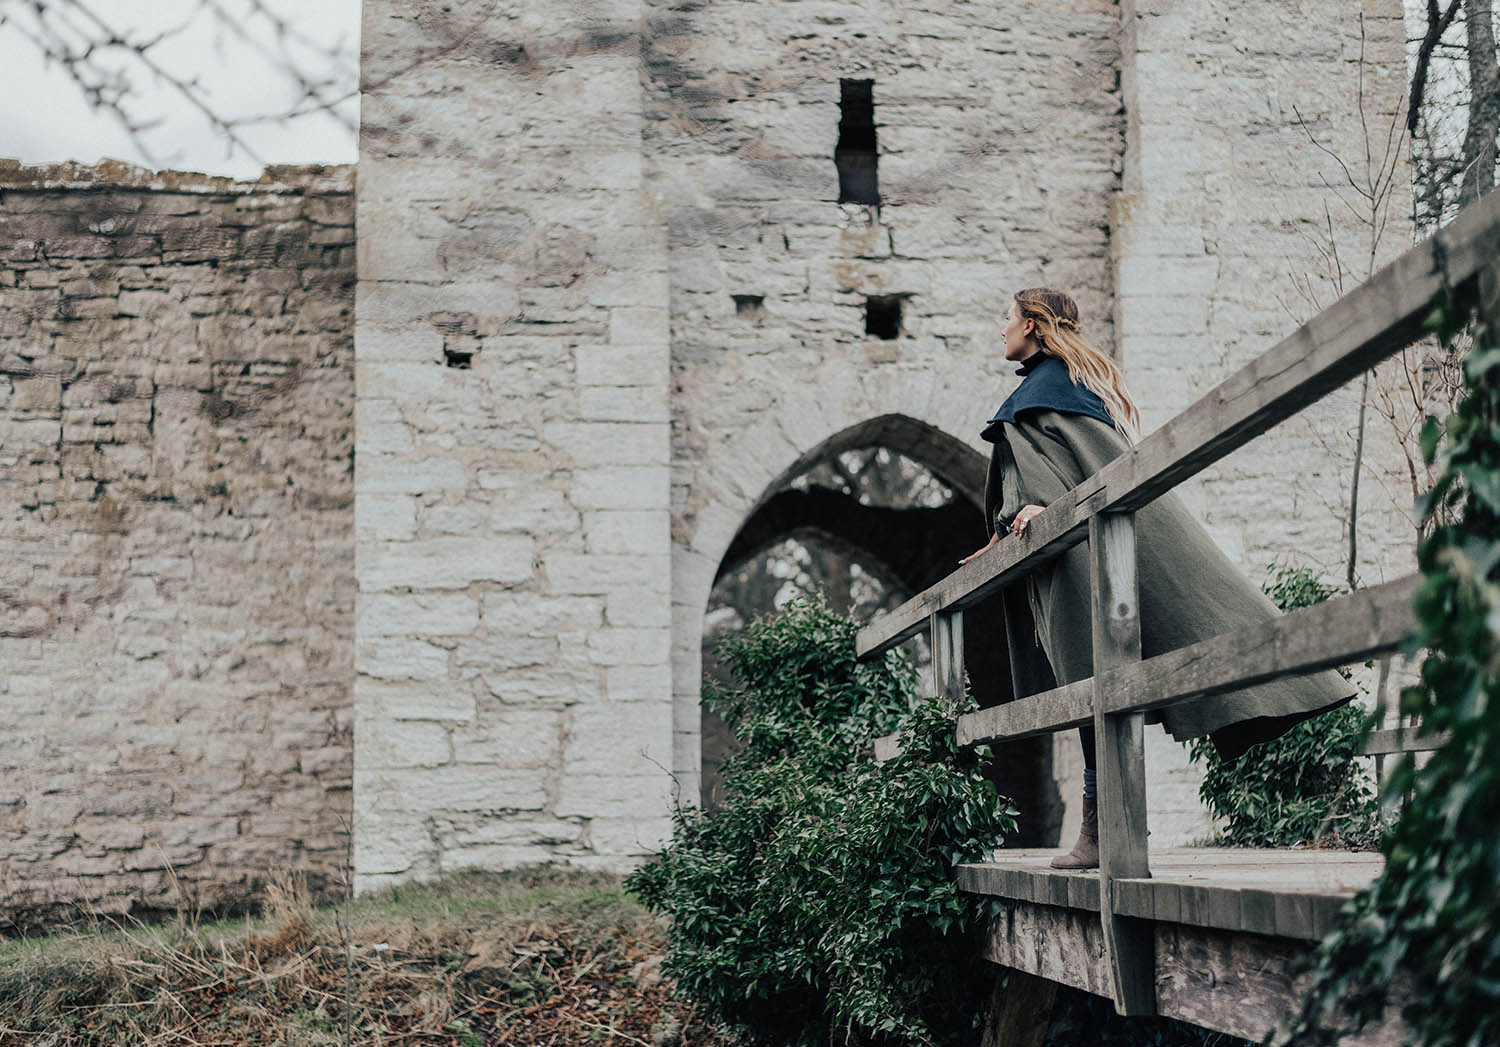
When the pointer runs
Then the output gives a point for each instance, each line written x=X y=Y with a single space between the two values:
x=909 y=548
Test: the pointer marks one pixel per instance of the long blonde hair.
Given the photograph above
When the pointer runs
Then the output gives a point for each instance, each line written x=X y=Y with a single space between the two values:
x=1058 y=333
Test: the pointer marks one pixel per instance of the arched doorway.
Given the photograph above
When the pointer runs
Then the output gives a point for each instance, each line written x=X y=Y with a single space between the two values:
x=868 y=518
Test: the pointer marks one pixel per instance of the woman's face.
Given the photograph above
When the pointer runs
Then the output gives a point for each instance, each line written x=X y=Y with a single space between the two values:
x=1020 y=335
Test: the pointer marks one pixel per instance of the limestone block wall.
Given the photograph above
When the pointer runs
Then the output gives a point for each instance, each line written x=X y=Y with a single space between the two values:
x=575 y=221
x=513 y=696
x=176 y=534
x=999 y=135
x=1222 y=228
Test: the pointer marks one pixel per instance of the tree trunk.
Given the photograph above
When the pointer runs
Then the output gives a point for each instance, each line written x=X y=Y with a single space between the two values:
x=1437 y=24
x=1484 y=103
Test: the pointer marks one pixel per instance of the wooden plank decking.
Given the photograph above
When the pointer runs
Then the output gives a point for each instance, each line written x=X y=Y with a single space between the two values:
x=1284 y=894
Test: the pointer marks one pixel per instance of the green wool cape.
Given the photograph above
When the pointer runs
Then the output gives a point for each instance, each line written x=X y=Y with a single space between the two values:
x=1189 y=590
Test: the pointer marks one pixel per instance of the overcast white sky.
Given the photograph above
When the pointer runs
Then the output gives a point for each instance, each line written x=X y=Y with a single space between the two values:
x=47 y=118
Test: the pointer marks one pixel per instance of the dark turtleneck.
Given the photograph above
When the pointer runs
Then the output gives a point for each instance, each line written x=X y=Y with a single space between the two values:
x=1029 y=364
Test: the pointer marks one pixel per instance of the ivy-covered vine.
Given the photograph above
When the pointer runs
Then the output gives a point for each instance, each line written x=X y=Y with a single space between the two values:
x=1434 y=916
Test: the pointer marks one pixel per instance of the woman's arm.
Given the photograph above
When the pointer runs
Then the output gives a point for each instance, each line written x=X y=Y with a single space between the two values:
x=994 y=541
x=1017 y=527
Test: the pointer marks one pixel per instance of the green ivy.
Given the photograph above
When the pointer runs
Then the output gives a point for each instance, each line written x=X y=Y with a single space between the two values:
x=1301 y=787
x=1434 y=916
x=818 y=904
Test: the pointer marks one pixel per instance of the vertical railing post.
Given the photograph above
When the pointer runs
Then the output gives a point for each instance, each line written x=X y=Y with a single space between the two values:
x=1121 y=758
x=947 y=631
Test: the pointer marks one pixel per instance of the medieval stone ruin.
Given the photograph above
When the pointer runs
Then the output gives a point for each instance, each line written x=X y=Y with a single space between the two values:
x=407 y=537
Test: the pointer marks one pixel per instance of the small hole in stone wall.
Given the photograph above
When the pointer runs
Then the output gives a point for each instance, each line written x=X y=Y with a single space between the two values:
x=855 y=154
x=460 y=338
x=750 y=306
x=883 y=316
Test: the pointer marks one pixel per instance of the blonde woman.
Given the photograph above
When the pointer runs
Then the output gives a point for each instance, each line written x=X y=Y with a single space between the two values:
x=1070 y=416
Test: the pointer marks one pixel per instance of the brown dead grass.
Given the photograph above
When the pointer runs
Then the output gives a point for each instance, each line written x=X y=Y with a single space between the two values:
x=532 y=958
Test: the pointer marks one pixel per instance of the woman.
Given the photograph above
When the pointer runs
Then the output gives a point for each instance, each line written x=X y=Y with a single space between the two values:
x=1071 y=416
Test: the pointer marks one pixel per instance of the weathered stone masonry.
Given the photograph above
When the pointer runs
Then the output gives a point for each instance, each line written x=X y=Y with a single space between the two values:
x=514 y=695
x=607 y=301
x=628 y=207
x=176 y=534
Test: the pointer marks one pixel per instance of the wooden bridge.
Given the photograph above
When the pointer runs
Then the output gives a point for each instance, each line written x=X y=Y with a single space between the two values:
x=1210 y=936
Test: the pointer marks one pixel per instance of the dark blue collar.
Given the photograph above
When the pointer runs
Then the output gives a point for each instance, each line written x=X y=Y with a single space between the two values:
x=1047 y=386
x=1030 y=363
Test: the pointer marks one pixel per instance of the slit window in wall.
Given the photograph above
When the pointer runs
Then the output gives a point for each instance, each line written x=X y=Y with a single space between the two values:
x=883 y=316
x=855 y=153
x=750 y=307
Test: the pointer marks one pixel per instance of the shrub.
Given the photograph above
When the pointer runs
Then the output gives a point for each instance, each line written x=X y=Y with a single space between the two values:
x=818 y=904
x=1303 y=786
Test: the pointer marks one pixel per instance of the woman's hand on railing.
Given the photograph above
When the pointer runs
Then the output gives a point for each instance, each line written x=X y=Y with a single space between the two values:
x=994 y=540
x=1017 y=527
x=1024 y=517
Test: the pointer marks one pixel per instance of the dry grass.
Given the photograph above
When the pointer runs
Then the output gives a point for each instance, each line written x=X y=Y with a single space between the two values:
x=538 y=957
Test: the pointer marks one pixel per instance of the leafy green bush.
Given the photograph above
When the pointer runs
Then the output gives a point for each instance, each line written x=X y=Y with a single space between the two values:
x=1434 y=915
x=818 y=904
x=1303 y=786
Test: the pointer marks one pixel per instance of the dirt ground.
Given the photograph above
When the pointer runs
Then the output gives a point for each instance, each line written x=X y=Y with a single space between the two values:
x=526 y=958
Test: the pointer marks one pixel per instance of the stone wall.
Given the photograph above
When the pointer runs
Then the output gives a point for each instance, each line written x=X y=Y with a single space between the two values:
x=608 y=300
x=176 y=534
x=513 y=695
x=999 y=136
x=1226 y=216
x=574 y=220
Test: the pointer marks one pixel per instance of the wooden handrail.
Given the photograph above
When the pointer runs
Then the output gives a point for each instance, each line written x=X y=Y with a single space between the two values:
x=1345 y=629
x=1403 y=740
x=1370 y=323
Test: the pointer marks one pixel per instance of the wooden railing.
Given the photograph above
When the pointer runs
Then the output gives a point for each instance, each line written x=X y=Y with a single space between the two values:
x=1366 y=326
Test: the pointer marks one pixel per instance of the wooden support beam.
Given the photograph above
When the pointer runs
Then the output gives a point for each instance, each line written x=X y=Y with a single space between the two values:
x=1374 y=321
x=1235 y=983
x=1020 y=1010
x=1345 y=629
x=1244 y=985
x=1071 y=705
x=948 y=655
x=1403 y=740
x=1120 y=751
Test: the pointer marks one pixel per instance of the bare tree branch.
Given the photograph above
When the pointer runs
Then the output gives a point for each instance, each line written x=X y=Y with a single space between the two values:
x=109 y=61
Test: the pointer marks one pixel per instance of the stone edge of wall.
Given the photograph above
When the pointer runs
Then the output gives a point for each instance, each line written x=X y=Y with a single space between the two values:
x=116 y=174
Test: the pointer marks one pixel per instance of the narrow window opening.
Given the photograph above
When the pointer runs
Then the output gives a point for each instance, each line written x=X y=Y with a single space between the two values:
x=751 y=307
x=883 y=316
x=855 y=154
x=460 y=358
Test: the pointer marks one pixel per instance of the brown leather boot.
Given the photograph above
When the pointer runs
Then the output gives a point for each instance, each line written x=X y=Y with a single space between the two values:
x=1085 y=853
